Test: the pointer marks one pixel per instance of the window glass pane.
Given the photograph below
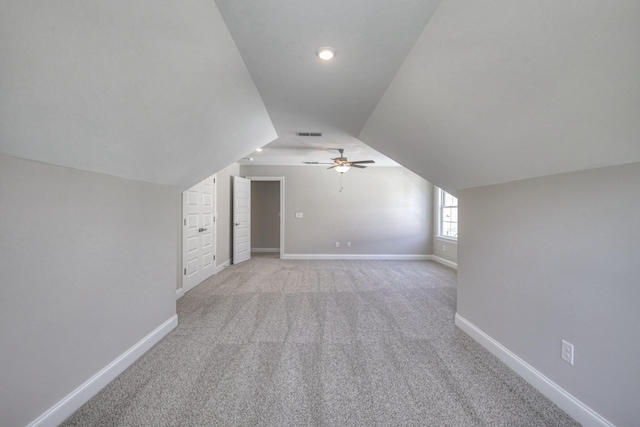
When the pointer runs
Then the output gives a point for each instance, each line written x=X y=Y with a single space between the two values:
x=446 y=214
x=448 y=199
x=454 y=214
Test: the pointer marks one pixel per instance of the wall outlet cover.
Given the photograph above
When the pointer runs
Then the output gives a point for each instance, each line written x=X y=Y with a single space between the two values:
x=567 y=352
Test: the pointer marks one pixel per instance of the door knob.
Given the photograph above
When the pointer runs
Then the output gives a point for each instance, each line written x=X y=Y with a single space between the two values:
x=237 y=224
x=201 y=229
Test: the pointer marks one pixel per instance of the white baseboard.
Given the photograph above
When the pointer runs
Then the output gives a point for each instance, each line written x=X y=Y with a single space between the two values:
x=258 y=250
x=567 y=402
x=67 y=406
x=380 y=257
x=179 y=293
x=222 y=266
x=443 y=261
x=357 y=257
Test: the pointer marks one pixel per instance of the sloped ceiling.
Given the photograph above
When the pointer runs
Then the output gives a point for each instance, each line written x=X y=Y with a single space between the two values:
x=502 y=90
x=152 y=90
x=278 y=41
x=158 y=91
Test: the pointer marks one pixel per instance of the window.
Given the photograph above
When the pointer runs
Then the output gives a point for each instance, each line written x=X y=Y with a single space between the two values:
x=447 y=215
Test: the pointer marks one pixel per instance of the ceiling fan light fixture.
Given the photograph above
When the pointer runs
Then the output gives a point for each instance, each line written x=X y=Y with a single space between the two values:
x=326 y=53
x=341 y=169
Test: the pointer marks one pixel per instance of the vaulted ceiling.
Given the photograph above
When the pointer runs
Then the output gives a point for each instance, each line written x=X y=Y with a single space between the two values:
x=499 y=91
x=152 y=90
x=463 y=93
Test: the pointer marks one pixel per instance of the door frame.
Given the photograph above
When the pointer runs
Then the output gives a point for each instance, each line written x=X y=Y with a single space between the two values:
x=282 y=222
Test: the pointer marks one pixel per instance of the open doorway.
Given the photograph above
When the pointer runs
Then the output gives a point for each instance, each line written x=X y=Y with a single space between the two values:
x=267 y=215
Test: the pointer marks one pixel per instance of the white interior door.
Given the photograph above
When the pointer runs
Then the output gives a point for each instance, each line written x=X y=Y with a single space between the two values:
x=198 y=235
x=241 y=219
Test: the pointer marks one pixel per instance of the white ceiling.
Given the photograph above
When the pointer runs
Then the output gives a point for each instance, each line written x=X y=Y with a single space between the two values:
x=462 y=93
x=152 y=90
x=500 y=91
x=278 y=41
x=293 y=151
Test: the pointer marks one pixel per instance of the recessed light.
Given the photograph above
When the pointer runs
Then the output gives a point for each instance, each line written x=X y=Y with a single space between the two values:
x=326 y=53
x=258 y=149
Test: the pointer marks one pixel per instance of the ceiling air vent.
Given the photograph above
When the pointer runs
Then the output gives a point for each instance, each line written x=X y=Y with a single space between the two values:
x=309 y=133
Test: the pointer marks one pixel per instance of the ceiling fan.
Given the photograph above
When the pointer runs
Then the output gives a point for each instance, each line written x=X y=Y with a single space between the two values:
x=342 y=164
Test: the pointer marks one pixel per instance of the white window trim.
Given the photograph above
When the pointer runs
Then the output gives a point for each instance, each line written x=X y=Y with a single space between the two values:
x=453 y=241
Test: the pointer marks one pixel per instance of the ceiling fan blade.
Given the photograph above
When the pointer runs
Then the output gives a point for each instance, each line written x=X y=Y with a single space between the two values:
x=362 y=161
x=334 y=166
x=358 y=166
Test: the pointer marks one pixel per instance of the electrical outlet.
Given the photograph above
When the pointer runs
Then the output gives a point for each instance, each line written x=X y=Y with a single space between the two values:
x=337 y=244
x=444 y=248
x=348 y=244
x=567 y=352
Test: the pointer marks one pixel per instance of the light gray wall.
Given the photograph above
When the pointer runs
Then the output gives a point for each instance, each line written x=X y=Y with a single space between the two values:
x=445 y=249
x=555 y=258
x=87 y=264
x=381 y=210
x=265 y=214
x=223 y=209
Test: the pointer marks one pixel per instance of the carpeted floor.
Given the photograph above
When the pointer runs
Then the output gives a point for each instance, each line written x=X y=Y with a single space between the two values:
x=320 y=343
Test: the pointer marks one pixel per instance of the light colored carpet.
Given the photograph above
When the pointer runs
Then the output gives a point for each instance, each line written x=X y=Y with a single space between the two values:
x=272 y=342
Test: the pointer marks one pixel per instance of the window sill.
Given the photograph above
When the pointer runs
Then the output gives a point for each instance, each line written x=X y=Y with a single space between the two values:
x=447 y=240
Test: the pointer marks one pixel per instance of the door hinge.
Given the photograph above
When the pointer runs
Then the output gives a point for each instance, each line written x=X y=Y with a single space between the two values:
x=185 y=271
x=185 y=221
x=214 y=180
x=214 y=257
